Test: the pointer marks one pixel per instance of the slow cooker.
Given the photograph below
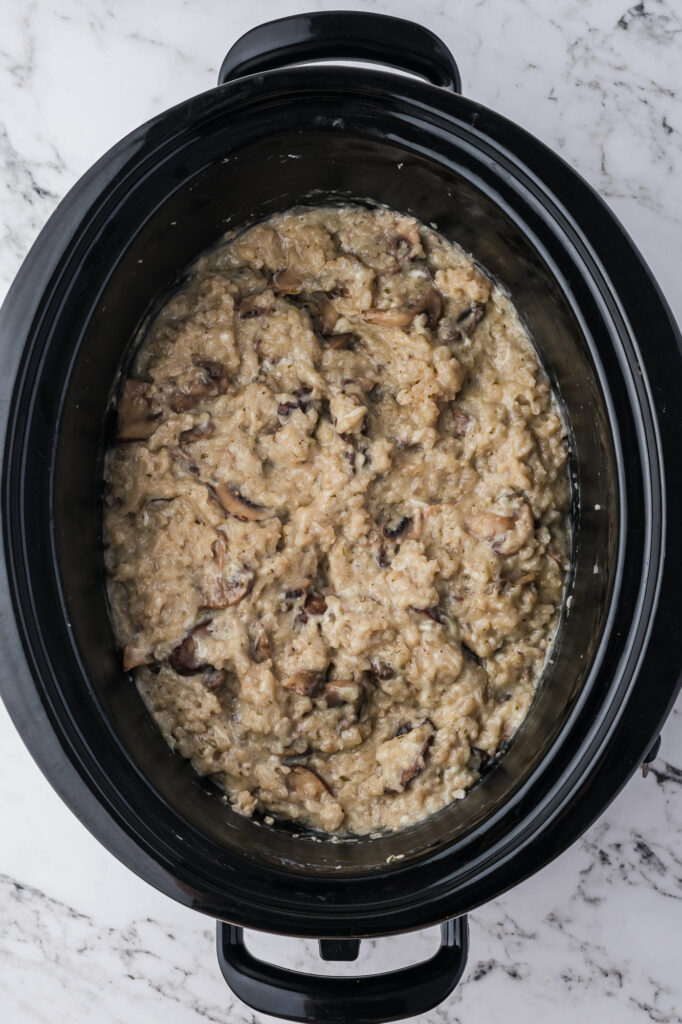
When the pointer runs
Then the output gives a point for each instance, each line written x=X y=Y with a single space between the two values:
x=269 y=136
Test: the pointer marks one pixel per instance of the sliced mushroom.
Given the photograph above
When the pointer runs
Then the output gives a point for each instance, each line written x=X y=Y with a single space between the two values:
x=471 y=317
x=403 y=757
x=307 y=788
x=237 y=586
x=208 y=380
x=314 y=604
x=394 y=317
x=506 y=534
x=260 y=644
x=221 y=590
x=256 y=305
x=402 y=528
x=183 y=658
x=382 y=669
x=214 y=678
x=134 y=656
x=214 y=370
x=305 y=682
x=235 y=504
x=321 y=310
x=184 y=462
x=556 y=558
x=341 y=342
x=407 y=245
x=451 y=329
x=137 y=416
x=287 y=282
x=342 y=691
x=430 y=303
x=199 y=432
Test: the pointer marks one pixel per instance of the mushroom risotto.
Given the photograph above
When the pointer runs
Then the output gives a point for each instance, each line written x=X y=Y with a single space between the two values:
x=336 y=519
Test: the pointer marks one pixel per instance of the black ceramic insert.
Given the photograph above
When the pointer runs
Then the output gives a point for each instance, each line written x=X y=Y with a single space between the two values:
x=110 y=253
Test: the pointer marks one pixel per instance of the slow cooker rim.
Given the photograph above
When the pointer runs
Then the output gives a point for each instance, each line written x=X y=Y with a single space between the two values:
x=306 y=71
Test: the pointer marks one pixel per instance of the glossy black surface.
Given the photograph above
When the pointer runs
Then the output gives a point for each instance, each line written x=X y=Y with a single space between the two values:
x=342 y=35
x=368 y=999
x=108 y=255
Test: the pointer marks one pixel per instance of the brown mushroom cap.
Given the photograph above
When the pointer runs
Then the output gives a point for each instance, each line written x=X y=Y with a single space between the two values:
x=382 y=669
x=199 y=432
x=506 y=534
x=183 y=658
x=402 y=528
x=342 y=691
x=321 y=310
x=452 y=329
x=138 y=418
x=259 y=647
x=235 y=504
x=306 y=682
x=402 y=757
x=256 y=305
x=341 y=342
x=394 y=317
x=430 y=303
x=287 y=282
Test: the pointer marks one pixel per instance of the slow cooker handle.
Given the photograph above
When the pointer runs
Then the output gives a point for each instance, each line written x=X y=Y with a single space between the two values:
x=369 y=999
x=343 y=35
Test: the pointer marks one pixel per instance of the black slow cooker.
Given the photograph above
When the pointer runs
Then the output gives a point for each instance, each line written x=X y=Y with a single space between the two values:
x=270 y=136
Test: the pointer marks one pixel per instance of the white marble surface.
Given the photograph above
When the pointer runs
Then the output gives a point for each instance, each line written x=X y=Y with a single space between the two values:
x=595 y=936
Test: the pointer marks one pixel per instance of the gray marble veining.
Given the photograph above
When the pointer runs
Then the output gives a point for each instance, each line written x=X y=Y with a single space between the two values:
x=595 y=936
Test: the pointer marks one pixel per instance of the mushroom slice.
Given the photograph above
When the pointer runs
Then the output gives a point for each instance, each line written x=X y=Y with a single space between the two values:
x=208 y=380
x=214 y=677
x=321 y=310
x=382 y=669
x=237 y=586
x=470 y=318
x=431 y=303
x=395 y=317
x=402 y=528
x=134 y=656
x=235 y=504
x=506 y=534
x=408 y=245
x=183 y=658
x=403 y=757
x=287 y=282
x=198 y=432
x=307 y=788
x=342 y=691
x=256 y=305
x=215 y=372
x=137 y=418
x=259 y=647
x=452 y=329
x=305 y=682
x=219 y=590
x=341 y=342
x=315 y=604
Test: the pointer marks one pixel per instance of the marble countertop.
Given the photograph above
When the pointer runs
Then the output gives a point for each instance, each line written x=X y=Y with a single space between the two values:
x=596 y=935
